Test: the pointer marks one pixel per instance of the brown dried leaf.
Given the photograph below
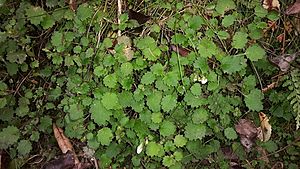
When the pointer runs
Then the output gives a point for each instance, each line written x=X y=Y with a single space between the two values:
x=247 y=132
x=266 y=128
x=247 y=128
x=284 y=61
x=293 y=9
x=63 y=142
x=278 y=165
x=139 y=17
x=182 y=51
x=66 y=161
x=271 y=4
x=73 y=5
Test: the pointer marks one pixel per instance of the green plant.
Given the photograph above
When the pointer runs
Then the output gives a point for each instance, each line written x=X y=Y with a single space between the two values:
x=120 y=94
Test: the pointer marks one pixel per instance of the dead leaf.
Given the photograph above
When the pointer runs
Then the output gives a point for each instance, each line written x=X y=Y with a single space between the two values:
x=280 y=38
x=65 y=161
x=128 y=52
x=293 y=9
x=271 y=4
x=247 y=132
x=73 y=5
x=266 y=128
x=284 y=61
x=247 y=128
x=278 y=165
x=63 y=142
x=139 y=17
x=182 y=51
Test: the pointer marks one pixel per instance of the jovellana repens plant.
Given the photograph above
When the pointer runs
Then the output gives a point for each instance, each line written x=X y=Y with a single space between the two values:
x=167 y=92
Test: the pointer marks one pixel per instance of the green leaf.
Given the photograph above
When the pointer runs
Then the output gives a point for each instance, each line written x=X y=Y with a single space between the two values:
x=153 y=101
x=193 y=131
x=105 y=136
x=110 y=80
x=196 y=89
x=171 y=79
x=254 y=100
x=270 y=145
x=99 y=113
x=156 y=117
x=178 y=39
x=3 y=102
x=35 y=14
x=195 y=22
x=75 y=111
x=126 y=68
x=225 y=5
x=180 y=141
x=199 y=116
x=239 y=40
x=84 y=12
x=157 y=69
x=207 y=48
x=168 y=103
x=24 y=147
x=168 y=161
x=228 y=20
x=255 y=52
x=153 y=149
x=233 y=64
x=45 y=123
x=9 y=136
x=110 y=101
x=56 y=39
x=230 y=133
x=148 y=78
x=167 y=128
x=48 y=22
x=12 y=68
x=17 y=57
x=149 y=48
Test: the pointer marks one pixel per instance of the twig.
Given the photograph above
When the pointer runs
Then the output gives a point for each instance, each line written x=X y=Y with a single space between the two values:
x=20 y=84
x=257 y=75
x=119 y=14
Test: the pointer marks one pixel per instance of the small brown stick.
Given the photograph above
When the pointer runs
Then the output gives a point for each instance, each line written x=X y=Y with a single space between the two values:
x=20 y=84
x=269 y=87
x=119 y=14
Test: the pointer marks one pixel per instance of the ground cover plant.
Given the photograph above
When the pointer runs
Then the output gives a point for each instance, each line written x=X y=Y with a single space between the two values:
x=162 y=84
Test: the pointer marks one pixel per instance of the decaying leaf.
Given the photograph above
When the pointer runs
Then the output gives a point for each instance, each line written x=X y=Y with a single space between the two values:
x=63 y=142
x=293 y=9
x=180 y=50
x=247 y=128
x=72 y=5
x=278 y=165
x=265 y=128
x=139 y=17
x=247 y=132
x=271 y=4
x=128 y=52
x=65 y=161
x=284 y=61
